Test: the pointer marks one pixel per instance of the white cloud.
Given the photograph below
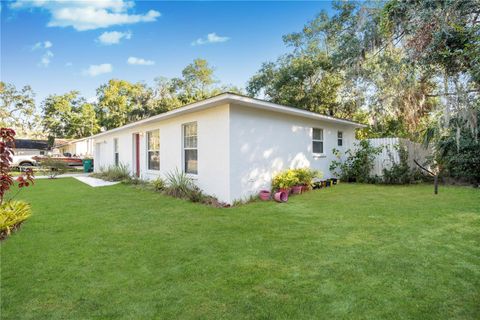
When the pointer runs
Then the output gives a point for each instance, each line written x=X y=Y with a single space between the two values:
x=42 y=45
x=140 y=61
x=211 y=38
x=88 y=15
x=95 y=70
x=46 y=58
x=68 y=64
x=47 y=54
x=113 y=37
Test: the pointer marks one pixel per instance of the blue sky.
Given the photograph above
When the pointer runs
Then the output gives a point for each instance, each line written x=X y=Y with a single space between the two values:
x=57 y=46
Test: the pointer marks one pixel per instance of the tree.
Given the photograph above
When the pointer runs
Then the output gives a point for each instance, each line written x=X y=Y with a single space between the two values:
x=18 y=109
x=69 y=116
x=197 y=83
x=121 y=102
x=303 y=81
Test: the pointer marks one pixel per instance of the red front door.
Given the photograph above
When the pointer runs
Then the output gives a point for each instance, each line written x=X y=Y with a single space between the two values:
x=137 y=154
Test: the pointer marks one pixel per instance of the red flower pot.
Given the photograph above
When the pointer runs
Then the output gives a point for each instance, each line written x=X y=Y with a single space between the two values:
x=281 y=196
x=297 y=189
x=286 y=190
x=264 y=195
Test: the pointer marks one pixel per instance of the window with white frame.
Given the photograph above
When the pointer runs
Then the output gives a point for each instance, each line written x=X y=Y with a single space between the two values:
x=317 y=141
x=116 y=155
x=190 y=152
x=153 y=150
x=340 y=138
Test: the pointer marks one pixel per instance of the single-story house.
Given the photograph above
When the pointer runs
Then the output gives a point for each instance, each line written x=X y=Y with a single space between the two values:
x=30 y=147
x=80 y=147
x=231 y=145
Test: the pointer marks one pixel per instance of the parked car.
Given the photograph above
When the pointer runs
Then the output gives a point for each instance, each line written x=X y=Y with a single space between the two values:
x=69 y=161
x=23 y=161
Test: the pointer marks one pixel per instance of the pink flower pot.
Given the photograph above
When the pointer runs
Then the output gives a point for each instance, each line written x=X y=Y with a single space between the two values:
x=297 y=189
x=286 y=190
x=281 y=196
x=264 y=195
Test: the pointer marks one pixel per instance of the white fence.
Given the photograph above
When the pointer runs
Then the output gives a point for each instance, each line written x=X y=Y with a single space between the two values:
x=390 y=153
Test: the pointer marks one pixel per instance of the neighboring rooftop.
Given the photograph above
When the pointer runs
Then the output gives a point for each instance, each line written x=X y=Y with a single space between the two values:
x=31 y=144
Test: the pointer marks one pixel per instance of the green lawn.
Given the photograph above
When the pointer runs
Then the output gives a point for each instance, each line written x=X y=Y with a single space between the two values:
x=352 y=251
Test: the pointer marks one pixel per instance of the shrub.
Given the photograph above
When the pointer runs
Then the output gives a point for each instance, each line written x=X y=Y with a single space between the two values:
x=158 y=184
x=358 y=163
x=285 y=179
x=196 y=194
x=305 y=176
x=53 y=167
x=292 y=177
x=12 y=214
x=114 y=173
x=400 y=173
x=7 y=143
x=179 y=184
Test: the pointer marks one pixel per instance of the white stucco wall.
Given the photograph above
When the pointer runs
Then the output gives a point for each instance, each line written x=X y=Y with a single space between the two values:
x=213 y=156
x=263 y=143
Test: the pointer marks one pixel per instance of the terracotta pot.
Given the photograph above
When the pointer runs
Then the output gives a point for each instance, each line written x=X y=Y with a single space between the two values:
x=264 y=195
x=281 y=196
x=297 y=189
x=286 y=190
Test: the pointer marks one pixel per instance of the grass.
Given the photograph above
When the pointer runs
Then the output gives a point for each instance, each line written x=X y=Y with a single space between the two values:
x=351 y=251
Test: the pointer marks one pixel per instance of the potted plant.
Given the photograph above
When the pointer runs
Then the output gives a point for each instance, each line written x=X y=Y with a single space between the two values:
x=264 y=195
x=284 y=181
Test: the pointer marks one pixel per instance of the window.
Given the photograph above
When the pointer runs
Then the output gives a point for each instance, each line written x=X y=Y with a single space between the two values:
x=317 y=141
x=340 y=138
x=115 y=151
x=190 y=154
x=153 y=150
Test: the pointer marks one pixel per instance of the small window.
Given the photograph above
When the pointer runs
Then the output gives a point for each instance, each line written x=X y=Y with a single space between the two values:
x=190 y=152
x=317 y=141
x=340 y=138
x=153 y=150
x=115 y=151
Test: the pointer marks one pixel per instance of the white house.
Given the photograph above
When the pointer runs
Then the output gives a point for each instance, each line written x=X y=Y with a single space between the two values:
x=80 y=147
x=231 y=145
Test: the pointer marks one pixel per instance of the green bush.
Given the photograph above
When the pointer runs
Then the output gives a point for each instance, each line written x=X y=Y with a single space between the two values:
x=400 y=173
x=158 y=184
x=196 y=195
x=305 y=176
x=12 y=214
x=358 y=163
x=293 y=177
x=114 y=173
x=179 y=184
x=53 y=167
x=457 y=152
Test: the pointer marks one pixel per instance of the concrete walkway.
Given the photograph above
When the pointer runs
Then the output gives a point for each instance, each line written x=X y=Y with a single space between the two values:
x=66 y=175
x=94 y=182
